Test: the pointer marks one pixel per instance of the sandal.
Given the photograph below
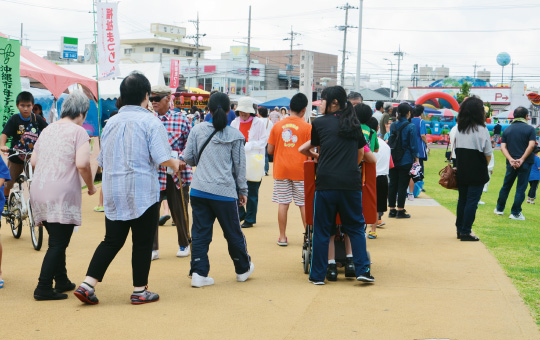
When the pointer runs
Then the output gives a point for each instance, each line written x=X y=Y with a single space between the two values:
x=282 y=243
x=372 y=235
x=380 y=224
x=1 y=283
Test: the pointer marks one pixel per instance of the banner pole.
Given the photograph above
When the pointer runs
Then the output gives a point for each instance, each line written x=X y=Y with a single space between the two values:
x=97 y=72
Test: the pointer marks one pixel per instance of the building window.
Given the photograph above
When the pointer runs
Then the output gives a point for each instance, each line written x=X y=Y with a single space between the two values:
x=149 y=49
x=176 y=51
x=332 y=69
x=128 y=50
x=189 y=54
x=166 y=50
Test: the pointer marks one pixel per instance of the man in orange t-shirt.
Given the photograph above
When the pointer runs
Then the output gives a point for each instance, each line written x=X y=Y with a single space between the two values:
x=285 y=138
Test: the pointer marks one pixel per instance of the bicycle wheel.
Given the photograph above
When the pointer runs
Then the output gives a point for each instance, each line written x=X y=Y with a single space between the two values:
x=36 y=232
x=14 y=218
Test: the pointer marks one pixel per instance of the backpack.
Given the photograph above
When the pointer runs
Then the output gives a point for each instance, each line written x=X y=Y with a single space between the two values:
x=394 y=142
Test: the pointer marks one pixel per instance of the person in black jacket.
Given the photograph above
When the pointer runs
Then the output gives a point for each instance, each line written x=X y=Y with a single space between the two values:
x=473 y=150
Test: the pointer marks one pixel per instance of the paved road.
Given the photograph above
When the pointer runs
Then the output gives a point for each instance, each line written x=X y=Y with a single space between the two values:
x=429 y=286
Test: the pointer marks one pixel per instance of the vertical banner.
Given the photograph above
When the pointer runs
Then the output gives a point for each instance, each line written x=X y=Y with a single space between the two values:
x=174 y=77
x=108 y=36
x=10 y=78
x=306 y=79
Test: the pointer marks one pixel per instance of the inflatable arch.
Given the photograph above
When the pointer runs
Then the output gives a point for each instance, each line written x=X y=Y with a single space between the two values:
x=422 y=99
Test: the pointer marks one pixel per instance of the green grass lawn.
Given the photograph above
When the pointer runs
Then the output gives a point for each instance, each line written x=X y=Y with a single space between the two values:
x=515 y=244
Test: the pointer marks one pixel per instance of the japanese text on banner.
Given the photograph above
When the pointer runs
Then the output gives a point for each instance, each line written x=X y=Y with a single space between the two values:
x=108 y=45
x=175 y=73
x=10 y=78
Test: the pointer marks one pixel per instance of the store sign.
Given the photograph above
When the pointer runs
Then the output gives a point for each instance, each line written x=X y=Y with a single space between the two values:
x=494 y=95
x=10 y=78
x=69 y=47
x=108 y=44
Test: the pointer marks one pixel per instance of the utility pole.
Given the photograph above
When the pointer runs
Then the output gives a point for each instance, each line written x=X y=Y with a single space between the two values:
x=22 y=35
x=344 y=29
x=196 y=37
x=359 y=59
x=399 y=55
x=475 y=66
x=290 y=66
x=512 y=77
x=248 y=53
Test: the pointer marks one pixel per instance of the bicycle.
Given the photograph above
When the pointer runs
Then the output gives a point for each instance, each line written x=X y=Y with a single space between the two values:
x=19 y=210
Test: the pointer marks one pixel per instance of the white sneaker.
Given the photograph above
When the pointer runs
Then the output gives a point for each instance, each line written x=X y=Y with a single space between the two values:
x=183 y=252
x=244 y=277
x=410 y=197
x=518 y=217
x=199 y=281
x=481 y=202
x=497 y=212
x=155 y=255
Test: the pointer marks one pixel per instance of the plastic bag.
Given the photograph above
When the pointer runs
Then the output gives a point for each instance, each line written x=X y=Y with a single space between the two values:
x=254 y=167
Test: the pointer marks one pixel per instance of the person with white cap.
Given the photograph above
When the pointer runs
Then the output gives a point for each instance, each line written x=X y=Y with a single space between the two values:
x=256 y=135
x=173 y=186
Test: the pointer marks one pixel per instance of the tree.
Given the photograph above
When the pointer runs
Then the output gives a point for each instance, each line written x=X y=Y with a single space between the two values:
x=464 y=92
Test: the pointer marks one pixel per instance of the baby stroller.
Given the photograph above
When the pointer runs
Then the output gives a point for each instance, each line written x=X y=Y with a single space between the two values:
x=370 y=212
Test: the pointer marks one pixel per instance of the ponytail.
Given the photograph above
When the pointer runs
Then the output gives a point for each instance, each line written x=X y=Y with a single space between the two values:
x=349 y=125
x=218 y=101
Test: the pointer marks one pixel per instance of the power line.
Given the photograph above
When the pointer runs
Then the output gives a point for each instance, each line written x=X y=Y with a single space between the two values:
x=46 y=6
x=429 y=30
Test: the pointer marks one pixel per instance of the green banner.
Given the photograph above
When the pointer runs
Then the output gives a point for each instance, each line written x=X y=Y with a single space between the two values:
x=10 y=78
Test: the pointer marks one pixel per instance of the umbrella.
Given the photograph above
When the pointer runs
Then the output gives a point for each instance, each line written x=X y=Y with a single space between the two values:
x=506 y=115
x=448 y=113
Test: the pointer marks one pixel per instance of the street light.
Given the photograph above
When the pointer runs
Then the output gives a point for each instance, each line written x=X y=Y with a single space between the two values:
x=391 y=67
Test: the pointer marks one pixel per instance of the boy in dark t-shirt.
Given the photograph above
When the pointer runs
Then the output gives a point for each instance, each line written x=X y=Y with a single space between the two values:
x=23 y=129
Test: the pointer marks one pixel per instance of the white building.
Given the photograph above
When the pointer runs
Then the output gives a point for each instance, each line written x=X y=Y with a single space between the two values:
x=167 y=43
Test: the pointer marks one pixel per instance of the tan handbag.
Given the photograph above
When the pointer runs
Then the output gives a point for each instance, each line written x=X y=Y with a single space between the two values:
x=448 y=177
x=448 y=174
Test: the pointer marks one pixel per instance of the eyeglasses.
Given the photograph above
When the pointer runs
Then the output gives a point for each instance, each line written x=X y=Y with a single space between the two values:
x=157 y=98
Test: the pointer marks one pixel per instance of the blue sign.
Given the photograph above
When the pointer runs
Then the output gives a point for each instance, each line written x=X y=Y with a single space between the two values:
x=69 y=55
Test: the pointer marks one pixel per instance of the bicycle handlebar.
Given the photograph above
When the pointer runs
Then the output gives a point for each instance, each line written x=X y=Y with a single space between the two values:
x=19 y=152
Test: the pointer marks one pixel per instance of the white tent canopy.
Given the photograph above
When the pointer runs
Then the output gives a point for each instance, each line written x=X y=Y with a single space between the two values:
x=110 y=89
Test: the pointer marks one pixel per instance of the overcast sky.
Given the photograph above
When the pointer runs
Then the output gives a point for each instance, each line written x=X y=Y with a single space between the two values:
x=456 y=34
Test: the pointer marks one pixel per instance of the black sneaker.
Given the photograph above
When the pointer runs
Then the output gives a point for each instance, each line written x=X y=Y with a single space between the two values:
x=331 y=272
x=349 y=268
x=402 y=214
x=392 y=213
x=247 y=225
x=86 y=296
x=48 y=294
x=64 y=286
x=469 y=237
x=366 y=277
x=317 y=283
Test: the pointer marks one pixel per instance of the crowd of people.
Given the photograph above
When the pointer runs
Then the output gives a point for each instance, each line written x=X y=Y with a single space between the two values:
x=368 y=162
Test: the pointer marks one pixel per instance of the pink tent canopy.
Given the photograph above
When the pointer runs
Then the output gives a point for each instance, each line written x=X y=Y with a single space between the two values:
x=55 y=78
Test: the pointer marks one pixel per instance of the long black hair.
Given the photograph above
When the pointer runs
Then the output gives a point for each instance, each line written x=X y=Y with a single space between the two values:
x=363 y=112
x=349 y=125
x=217 y=104
x=403 y=110
x=471 y=115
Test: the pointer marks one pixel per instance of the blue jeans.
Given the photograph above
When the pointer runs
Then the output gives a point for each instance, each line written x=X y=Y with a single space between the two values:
x=532 y=190
x=522 y=174
x=249 y=214
x=469 y=195
x=205 y=212
x=266 y=161
x=327 y=205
